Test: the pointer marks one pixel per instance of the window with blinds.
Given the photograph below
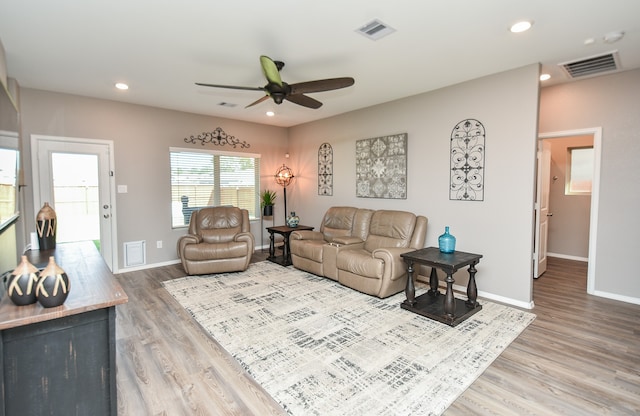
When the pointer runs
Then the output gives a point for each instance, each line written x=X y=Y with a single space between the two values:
x=212 y=178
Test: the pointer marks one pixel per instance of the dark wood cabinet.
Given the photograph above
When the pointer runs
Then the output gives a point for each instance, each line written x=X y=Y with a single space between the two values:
x=61 y=361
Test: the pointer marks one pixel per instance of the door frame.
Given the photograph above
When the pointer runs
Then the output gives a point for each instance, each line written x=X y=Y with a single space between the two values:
x=595 y=193
x=35 y=169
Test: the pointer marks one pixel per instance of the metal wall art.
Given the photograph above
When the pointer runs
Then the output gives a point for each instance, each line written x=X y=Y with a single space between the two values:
x=381 y=167
x=325 y=170
x=217 y=137
x=467 y=161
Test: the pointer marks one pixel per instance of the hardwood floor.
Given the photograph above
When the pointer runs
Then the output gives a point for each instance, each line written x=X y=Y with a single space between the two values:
x=581 y=356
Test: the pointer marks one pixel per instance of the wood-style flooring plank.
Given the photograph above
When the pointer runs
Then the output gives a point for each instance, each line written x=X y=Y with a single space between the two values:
x=581 y=356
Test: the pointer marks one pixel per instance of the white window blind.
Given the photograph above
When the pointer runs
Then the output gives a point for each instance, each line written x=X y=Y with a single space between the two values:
x=210 y=178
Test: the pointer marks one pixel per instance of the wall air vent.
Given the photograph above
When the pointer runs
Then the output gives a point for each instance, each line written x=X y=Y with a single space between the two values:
x=592 y=66
x=375 y=30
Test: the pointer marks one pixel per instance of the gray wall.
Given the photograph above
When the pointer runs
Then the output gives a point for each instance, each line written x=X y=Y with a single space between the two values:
x=613 y=103
x=142 y=137
x=500 y=227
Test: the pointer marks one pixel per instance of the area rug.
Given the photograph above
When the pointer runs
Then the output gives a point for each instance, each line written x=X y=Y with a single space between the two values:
x=319 y=348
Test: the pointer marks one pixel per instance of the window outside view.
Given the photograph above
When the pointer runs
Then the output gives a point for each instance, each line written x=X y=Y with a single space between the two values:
x=200 y=179
x=76 y=202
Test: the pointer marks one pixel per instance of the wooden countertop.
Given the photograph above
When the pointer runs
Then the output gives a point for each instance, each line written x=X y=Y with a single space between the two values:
x=93 y=286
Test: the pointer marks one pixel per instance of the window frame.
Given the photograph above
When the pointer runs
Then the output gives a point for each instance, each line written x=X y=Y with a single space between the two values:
x=568 y=187
x=216 y=154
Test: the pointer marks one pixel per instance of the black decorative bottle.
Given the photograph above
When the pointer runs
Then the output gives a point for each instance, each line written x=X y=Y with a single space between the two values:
x=21 y=285
x=53 y=285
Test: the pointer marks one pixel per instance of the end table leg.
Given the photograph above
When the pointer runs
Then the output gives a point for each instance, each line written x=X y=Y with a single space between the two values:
x=272 y=246
x=449 y=300
x=410 y=290
x=472 y=290
x=433 y=282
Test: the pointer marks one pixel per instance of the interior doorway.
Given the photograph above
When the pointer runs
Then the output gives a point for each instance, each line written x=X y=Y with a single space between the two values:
x=596 y=133
x=75 y=177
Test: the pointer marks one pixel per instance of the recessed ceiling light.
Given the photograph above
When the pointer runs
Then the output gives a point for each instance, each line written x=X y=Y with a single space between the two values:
x=270 y=114
x=122 y=86
x=522 y=26
x=544 y=77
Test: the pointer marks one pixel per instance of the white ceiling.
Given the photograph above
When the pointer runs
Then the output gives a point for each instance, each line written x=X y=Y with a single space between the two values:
x=162 y=47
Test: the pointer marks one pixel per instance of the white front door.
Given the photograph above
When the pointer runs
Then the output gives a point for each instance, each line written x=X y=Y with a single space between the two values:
x=542 y=208
x=75 y=177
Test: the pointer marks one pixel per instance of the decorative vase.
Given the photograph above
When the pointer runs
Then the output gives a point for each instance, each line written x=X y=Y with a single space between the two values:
x=53 y=285
x=21 y=285
x=267 y=211
x=293 y=220
x=447 y=242
x=46 y=227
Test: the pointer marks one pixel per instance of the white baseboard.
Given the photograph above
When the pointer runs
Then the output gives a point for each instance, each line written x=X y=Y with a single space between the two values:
x=614 y=296
x=567 y=257
x=146 y=266
x=461 y=292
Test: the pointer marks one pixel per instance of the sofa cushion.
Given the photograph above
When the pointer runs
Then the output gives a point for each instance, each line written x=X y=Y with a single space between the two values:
x=218 y=225
x=360 y=262
x=390 y=229
x=215 y=251
x=337 y=222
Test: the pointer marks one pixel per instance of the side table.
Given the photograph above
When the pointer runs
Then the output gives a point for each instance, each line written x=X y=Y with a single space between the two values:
x=448 y=309
x=285 y=231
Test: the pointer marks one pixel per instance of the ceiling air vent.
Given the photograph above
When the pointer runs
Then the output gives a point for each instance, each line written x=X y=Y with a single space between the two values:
x=226 y=104
x=591 y=66
x=375 y=30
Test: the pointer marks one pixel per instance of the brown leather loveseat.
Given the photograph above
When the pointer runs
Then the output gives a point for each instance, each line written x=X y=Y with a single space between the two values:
x=361 y=248
x=219 y=240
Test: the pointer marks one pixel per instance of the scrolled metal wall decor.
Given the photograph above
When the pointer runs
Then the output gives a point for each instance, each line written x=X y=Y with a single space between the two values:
x=217 y=137
x=325 y=170
x=467 y=161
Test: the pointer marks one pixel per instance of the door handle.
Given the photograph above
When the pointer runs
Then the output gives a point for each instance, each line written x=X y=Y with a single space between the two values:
x=550 y=214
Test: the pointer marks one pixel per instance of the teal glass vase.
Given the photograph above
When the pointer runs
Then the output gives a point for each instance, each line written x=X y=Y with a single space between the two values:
x=447 y=242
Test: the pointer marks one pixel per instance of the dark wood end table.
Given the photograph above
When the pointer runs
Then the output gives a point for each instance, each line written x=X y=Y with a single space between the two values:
x=448 y=310
x=285 y=231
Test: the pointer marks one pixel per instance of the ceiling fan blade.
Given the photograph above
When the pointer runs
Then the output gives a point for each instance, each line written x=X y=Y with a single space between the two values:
x=233 y=87
x=270 y=70
x=258 y=101
x=321 y=85
x=304 y=101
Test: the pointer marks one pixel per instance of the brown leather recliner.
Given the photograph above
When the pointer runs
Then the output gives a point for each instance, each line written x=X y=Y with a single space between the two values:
x=315 y=251
x=219 y=240
x=375 y=266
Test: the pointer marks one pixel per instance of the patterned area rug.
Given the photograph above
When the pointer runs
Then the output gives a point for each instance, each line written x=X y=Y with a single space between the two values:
x=319 y=348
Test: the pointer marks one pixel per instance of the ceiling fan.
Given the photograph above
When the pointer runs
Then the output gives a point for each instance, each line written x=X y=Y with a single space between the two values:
x=279 y=90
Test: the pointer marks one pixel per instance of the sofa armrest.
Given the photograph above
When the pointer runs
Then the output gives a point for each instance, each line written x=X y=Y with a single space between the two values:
x=247 y=237
x=391 y=256
x=185 y=240
x=346 y=240
x=306 y=235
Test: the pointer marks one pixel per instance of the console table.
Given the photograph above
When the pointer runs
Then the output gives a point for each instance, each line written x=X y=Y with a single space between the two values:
x=448 y=309
x=285 y=231
x=62 y=360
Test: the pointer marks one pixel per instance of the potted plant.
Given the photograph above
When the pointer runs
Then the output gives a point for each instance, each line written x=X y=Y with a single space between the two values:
x=267 y=199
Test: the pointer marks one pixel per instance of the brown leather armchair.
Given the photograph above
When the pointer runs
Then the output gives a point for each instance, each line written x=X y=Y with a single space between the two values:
x=219 y=240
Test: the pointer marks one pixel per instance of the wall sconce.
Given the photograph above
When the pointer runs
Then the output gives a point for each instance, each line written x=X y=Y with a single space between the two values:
x=284 y=176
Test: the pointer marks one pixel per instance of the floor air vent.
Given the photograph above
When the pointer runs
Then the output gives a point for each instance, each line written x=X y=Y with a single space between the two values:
x=591 y=66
